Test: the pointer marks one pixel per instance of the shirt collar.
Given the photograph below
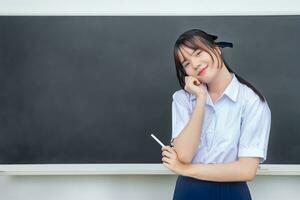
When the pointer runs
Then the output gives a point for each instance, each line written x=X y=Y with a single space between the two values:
x=231 y=90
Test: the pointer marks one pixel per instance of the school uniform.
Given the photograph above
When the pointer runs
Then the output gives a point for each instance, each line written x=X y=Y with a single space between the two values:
x=236 y=125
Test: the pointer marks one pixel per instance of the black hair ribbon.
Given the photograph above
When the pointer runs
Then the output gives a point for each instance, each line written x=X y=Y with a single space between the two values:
x=224 y=44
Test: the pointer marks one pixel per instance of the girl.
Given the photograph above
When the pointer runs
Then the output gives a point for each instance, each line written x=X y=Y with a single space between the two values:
x=220 y=123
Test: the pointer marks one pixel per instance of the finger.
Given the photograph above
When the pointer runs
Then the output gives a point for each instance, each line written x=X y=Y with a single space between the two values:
x=166 y=165
x=167 y=154
x=186 y=79
x=165 y=148
x=170 y=149
x=197 y=82
x=165 y=159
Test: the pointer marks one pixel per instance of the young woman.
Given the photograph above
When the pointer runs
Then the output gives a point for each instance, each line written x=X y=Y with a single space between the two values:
x=220 y=123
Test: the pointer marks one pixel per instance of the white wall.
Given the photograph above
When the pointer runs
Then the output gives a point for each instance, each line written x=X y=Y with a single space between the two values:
x=133 y=187
x=149 y=7
x=110 y=187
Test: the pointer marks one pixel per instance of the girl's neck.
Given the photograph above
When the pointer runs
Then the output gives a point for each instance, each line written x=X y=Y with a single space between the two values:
x=219 y=84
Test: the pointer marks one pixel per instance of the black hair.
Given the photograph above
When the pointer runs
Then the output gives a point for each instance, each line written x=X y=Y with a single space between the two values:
x=195 y=39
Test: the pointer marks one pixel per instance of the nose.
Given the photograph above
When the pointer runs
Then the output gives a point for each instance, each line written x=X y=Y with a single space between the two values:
x=194 y=63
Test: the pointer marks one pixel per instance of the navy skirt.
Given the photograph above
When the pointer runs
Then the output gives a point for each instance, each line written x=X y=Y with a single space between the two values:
x=188 y=188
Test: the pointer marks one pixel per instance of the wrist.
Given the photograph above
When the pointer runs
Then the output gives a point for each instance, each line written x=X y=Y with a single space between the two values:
x=201 y=96
x=201 y=99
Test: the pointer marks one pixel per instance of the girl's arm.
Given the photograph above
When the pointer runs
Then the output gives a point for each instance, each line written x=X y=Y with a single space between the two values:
x=243 y=169
x=190 y=135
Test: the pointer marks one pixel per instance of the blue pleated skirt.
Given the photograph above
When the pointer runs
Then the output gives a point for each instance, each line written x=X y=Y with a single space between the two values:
x=188 y=188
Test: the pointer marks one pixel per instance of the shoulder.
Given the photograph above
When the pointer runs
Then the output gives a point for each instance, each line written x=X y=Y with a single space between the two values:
x=251 y=100
x=182 y=97
x=247 y=93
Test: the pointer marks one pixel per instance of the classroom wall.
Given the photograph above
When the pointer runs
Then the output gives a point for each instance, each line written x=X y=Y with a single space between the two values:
x=132 y=187
x=127 y=187
x=149 y=7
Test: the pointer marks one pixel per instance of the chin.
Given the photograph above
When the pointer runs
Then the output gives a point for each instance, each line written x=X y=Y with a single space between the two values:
x=209 y=78
x=205 y=79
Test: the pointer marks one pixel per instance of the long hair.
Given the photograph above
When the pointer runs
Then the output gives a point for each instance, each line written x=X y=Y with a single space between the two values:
x=198 y=39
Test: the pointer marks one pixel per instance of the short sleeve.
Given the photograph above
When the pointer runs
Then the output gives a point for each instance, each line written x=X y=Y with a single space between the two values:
x=255 y=130
x=180 y=113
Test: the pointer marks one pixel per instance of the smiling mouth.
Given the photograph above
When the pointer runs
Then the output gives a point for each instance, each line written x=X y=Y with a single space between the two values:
x=202 y=70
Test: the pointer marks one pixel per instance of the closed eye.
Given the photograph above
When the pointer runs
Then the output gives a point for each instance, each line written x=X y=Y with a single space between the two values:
x=186 y=65
x=199 y=53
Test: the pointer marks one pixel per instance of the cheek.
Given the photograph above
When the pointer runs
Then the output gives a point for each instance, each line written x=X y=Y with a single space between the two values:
x=189 y=72
x=211 y=61
x=216 y=62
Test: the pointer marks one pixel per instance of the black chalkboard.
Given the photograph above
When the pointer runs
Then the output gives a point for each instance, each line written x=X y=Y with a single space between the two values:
x=91 y=89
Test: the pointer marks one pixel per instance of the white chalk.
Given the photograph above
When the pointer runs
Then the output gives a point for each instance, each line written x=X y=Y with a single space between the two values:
x=157 y=140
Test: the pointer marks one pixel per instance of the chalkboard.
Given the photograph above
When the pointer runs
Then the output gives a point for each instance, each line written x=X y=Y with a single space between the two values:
x=91 y=89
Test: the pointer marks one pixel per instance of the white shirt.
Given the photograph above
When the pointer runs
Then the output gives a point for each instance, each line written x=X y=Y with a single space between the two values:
x=236 y=125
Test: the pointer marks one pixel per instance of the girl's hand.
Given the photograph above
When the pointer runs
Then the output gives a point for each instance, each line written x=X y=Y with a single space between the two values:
x=170 y=160
x=194 y=86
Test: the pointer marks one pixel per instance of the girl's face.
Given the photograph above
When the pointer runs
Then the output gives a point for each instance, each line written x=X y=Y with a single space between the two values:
x=199 y=64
